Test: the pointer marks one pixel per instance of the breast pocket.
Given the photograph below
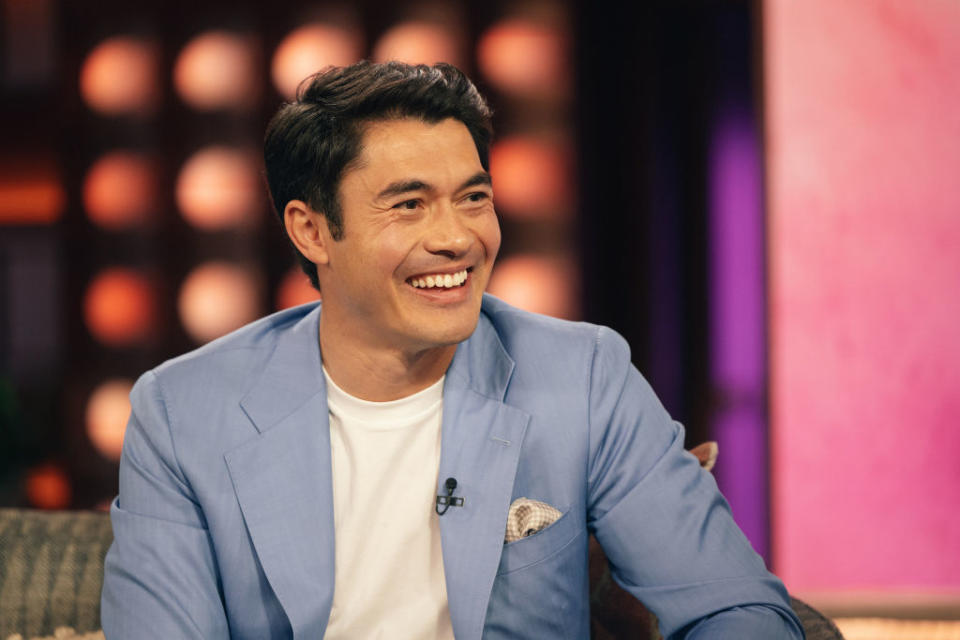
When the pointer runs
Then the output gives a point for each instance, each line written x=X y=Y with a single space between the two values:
x=540 y=546
x=541 y=589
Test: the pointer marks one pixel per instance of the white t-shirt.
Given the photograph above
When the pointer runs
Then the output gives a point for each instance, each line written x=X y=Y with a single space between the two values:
x=389 y=580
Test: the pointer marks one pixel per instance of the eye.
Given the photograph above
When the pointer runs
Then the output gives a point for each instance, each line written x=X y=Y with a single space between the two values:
x=477 y=196
x=407 y=205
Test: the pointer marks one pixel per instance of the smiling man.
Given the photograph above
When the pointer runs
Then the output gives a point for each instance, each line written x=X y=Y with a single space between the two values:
x=403 y=280
x=411 y=458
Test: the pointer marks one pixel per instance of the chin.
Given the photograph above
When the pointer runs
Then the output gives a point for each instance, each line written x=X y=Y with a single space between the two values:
x=450 y=333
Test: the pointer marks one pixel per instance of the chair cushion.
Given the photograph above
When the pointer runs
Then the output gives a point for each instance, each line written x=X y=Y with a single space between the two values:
x=51 y=570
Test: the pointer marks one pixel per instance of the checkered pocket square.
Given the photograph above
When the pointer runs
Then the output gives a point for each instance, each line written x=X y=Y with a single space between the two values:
x=527 y=517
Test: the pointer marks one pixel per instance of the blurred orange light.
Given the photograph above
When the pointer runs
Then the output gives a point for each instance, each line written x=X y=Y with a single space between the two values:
x=48 y=487
x=29 y=194
x=120 y=76
x=108 y=409
x=118 y=307
x=524 y=57
x=295 y=289
x=217 y=298
x=309 y=49
x=531 y=178
x=120 y=191
x=419 y=42
x=539 y=284
x=218 y=70
x=219 y=187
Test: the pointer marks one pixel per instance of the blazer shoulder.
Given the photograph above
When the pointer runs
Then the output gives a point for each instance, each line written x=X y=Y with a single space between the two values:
x=524 y=333
x=233 y=358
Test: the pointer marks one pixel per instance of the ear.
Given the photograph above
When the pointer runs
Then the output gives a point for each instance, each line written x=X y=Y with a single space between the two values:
x=308 y=231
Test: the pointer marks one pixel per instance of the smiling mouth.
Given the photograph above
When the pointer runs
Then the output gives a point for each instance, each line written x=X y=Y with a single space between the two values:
x=440 y=280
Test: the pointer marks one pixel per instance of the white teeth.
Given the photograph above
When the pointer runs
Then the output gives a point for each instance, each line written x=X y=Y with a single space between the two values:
x=442 y=280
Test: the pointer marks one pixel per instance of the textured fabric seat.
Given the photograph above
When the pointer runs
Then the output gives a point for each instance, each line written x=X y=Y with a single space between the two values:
x=51 y=570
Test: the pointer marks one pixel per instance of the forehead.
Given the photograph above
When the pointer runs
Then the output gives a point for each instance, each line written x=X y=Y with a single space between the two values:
x=394 y=148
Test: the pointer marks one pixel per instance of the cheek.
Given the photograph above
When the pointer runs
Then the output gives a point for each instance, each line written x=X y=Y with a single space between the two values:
x=390 y=250
x=489 y=235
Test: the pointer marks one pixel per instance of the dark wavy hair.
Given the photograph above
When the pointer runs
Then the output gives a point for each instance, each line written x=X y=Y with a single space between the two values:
x=312 y=141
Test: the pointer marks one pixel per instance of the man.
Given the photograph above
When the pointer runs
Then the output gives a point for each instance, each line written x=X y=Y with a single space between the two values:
x=355 y=469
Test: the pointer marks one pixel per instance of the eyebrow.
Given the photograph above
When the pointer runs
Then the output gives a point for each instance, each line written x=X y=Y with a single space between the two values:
x=479 y=178
x=407 y=186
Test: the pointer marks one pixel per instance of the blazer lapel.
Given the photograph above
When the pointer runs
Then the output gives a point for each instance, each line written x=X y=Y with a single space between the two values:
x=283 y=479
x=480 y=447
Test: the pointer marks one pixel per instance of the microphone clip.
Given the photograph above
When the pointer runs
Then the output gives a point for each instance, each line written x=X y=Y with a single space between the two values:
x=448 y=500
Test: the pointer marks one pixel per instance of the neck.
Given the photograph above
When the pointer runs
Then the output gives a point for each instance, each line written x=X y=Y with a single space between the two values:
x=380 y=374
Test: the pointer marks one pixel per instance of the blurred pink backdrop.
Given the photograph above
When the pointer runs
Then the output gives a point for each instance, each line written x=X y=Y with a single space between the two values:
x=863 y=147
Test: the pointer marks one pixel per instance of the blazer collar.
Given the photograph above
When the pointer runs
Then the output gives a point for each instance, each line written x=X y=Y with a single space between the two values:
x=293 y=374
x=481 y=362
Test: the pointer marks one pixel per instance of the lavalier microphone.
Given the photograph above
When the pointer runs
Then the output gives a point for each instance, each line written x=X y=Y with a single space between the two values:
x=447 y=501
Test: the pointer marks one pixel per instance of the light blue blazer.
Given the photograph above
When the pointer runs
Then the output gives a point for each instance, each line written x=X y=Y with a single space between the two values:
x=224 y=522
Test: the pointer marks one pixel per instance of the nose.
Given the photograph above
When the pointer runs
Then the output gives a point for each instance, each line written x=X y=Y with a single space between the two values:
x=448 y=233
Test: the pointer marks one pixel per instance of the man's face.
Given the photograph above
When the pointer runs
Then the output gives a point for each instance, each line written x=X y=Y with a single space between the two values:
x=420 y=237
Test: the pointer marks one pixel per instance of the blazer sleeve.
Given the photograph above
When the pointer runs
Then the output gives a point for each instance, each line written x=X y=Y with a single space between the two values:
x=663 y=524
x=160 y=574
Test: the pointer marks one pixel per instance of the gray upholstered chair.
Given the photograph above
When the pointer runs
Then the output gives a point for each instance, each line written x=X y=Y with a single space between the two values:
x=51 y=570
